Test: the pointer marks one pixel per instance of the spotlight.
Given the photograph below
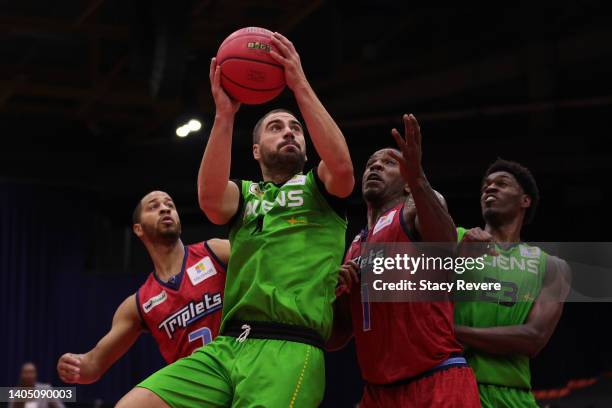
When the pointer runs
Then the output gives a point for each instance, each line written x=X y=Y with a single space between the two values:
x=182 y=131
x=194 y=125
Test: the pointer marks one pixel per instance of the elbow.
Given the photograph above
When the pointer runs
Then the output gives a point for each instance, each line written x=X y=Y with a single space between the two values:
x=537 y=341
x=344 y=172
x=210 y=208
x=345 y=169
x=213 y=213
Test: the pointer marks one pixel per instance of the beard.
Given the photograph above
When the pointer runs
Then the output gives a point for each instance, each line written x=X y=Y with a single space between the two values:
x=380 y=195
x=373 y=195
x=491 y=217
x=291 y=162
x=162 y=234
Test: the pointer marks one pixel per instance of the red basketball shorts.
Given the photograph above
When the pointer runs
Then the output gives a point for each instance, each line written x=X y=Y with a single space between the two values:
x=452 y=388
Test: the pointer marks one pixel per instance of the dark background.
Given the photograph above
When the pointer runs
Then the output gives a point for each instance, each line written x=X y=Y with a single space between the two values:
x=91 y=93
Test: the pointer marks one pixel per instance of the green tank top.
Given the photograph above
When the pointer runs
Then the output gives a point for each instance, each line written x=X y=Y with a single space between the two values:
x=520 y=269
x=287 y=245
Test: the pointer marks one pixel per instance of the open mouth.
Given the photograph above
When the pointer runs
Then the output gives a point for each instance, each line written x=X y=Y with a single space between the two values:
x=167 y=220
x=373 y=177
x=490 y=199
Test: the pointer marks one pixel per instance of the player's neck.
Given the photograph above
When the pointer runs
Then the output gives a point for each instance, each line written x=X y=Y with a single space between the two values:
x=375 y=210
x=509 y=232
x=167 y=259
x=277 y=176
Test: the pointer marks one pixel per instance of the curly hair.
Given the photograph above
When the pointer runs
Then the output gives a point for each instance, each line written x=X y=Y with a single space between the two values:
x=525 y=179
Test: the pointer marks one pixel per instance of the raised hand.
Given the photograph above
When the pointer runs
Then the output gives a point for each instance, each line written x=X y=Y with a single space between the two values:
x=410 y=146
x=224 y=104
x=288 y=57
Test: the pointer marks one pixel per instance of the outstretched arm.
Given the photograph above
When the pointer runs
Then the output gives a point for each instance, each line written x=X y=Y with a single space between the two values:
x=89 y=367
x=336 y=167
x=531 y=337
x=432 y=220
x=217 y=195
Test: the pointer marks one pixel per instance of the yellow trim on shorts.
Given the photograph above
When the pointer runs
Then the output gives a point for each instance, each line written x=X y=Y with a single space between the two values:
x=300 y=378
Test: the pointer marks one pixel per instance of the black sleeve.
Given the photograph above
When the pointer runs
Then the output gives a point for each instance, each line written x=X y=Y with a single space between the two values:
x=338 y=204
x=232 y=220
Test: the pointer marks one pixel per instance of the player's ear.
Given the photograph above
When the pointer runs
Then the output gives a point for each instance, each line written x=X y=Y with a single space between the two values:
x=137 y=228
x=406 y=188
x=256 y=152
x=525 y=201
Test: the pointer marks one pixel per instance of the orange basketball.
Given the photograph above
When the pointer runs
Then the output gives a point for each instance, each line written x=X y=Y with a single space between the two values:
x=248 y=73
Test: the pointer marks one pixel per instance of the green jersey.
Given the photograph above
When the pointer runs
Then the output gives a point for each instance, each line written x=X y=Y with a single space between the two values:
x=287 y=245
x=520 y=269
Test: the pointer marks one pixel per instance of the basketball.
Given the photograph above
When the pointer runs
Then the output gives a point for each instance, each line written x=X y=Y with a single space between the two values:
x=248 y=73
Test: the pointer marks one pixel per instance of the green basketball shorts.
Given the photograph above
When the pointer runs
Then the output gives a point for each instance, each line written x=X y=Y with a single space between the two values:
x=243 y=372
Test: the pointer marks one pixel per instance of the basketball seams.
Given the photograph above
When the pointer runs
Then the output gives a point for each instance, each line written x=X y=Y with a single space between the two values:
x=224 y=44
x=249 y=59
x=237 y=58
x=251 y=89
x=230 y=38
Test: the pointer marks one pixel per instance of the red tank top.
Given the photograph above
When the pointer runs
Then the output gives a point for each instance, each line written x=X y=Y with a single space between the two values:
x=396 y=341
x=184 y=313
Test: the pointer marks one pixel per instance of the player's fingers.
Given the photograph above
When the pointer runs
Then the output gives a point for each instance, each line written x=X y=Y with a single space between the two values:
x=408 y=128
x=69 y=369
x=398 y=139
x=217 y=76
x=416 y=130
x=346 y=276
x=284 y=40
x=399 y=158
x=278 y=58
x=282 y=48
x=342 y=289
x=353 y=265
x=68 y=376
x=341 y=279
x=73 y=359
x=65 y=367
x=354 y=277
x=211 y=73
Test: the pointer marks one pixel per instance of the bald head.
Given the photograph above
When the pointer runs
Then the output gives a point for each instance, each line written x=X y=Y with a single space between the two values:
x=382 y=180
x=136 y=215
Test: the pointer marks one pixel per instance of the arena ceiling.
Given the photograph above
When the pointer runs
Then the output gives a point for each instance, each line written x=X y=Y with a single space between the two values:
x=92 y=92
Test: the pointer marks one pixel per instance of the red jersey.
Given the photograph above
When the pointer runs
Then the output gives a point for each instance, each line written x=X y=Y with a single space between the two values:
x=396 y=340
x=184 y=313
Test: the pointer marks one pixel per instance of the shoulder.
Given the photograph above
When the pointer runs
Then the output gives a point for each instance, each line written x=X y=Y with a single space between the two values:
x=220 y=249
x=557 y=267
x=128 y=306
